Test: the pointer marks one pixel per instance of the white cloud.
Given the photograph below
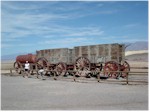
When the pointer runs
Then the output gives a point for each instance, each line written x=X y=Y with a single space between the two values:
x=5 y=45
x=132 y=25
x=93 y=32
x=18 y=6
x=25 y=23
x=64 y=41
x=21 y=25
x=67 y=42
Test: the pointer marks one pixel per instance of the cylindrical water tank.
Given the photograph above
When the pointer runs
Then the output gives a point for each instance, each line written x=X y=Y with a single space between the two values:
x=29 y=57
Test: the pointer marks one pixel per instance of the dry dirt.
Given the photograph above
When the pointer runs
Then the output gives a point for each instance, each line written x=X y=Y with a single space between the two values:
x=18 y=93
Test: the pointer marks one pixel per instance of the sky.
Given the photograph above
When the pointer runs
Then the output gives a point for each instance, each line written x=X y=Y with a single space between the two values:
x=27 y=26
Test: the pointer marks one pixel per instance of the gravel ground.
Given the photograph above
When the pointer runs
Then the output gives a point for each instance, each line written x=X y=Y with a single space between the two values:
x=18 y=93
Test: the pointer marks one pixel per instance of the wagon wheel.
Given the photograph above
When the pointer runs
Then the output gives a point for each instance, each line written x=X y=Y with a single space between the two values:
x=61 y=68
x=82 y=65
x=42 y=62
x=125 y=67
x=17 y=67
x=111 y=66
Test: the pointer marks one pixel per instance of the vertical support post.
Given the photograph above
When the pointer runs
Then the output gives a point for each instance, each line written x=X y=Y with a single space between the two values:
x=11 y=71
x=98 y=77
x=36 y=71
x=22 y=71
x=118 y=61
x=35 y=67
x=55 y=75
x=127 y=79
x=74 y=78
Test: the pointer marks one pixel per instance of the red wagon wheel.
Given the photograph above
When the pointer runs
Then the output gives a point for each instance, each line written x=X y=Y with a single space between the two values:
x=17 y=67
x=82 y=65
x=42 y=62
x=125 y=67
x=61 y=68
x=109 y=67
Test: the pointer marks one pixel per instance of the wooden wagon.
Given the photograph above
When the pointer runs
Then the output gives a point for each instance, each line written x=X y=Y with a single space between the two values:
x=84 y=60
x=105 y=57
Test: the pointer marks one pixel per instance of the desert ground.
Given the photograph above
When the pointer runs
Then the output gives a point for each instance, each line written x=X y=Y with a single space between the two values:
x=18 y=93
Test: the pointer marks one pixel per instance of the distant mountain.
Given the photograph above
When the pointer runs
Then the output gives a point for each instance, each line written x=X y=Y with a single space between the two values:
x=8 y=57
x=140 y=45
x=138 y=57
x=11 y=57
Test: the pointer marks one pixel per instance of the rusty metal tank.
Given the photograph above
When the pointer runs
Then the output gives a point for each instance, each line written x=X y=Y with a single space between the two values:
x=31 y=58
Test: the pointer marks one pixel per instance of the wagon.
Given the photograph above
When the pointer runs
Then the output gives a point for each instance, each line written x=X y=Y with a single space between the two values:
x=84 y=61
x=107 y=58
x=58 y=60
x=21 y=60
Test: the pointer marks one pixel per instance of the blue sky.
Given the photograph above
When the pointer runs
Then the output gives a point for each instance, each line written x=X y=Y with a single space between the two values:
x=29 y=26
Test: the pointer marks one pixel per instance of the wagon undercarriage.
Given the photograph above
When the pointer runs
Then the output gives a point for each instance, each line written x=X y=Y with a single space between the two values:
x=82 y=68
